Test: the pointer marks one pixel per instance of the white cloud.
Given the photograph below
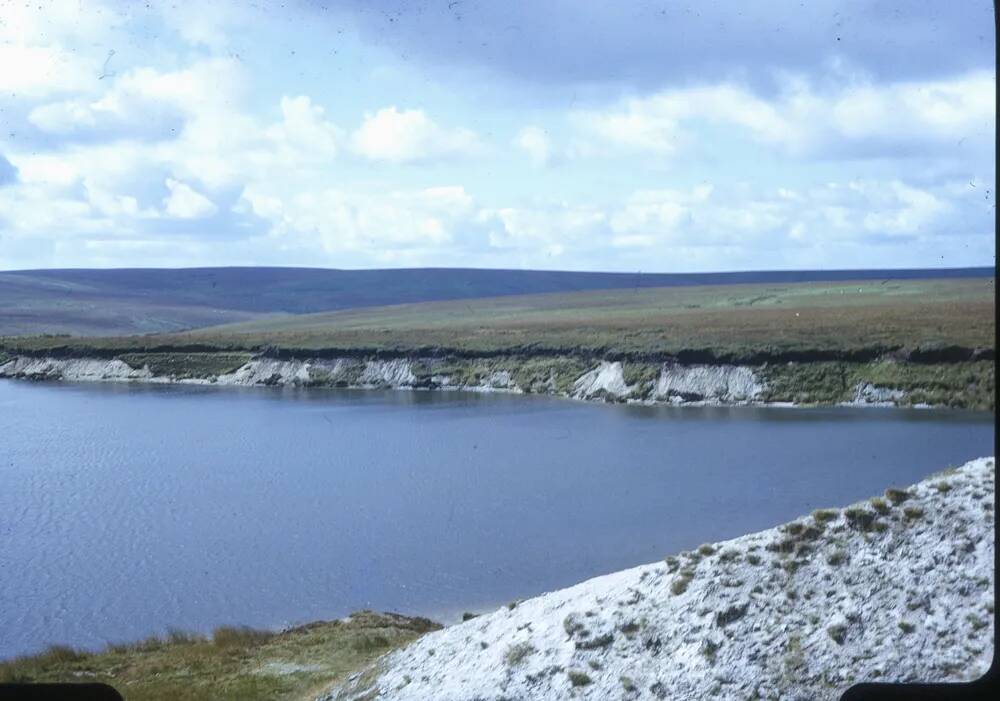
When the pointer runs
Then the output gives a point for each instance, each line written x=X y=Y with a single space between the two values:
x=535 y=142
x=337 y=221
x=802 y=120
x=546 y=230
x=147 y=102
x=408 y=136
x=185 y=203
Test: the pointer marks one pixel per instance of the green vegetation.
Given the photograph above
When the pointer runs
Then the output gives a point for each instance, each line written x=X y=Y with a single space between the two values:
x=233 y=663
x=912 y=512
x=518 y=653
x=680 y=583
x=897 y=496
x=577 y=678
x=825 y=515
x=186 y=365
x=880 y=506
x=963 y=384
x=845 y=320
x=810 y=343
x=837 y=557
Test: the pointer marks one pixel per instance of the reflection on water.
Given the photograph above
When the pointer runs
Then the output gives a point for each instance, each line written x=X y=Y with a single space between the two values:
x=125 y=509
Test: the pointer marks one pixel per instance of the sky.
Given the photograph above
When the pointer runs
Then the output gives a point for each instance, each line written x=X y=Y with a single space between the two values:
x=643 y=135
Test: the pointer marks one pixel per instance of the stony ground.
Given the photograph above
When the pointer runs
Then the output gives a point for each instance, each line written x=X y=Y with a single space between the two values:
x=897 y=588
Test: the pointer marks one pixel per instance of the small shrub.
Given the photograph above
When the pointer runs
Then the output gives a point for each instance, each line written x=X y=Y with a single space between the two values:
x=837 y=557
x=681 y=581
x=629 y=628
x=573 y=625
x=594 y=643
x=468 y=616
x=516 y=654
x=729 y=555
x=906 y=627
x=897 y=496
x=794 y=528
x=786 y=545
x=627 y=683
x=672 y=563
x=705 y=549
x=512 y=605
x=976 y=621
x=753 y=559
x=824 y=515
x=733 y=613
x=838 y=632
x=913 y=512
x=860 y=519
x=879 y=504
x=943 y=487
x=578 y=678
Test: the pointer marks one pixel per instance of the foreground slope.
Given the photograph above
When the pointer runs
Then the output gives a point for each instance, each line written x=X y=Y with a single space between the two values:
x=233 y=664
x=897 y=588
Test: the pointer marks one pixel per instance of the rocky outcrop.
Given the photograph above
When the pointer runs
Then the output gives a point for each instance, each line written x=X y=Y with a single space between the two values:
x=73 y=370
x=387 y=373
x=867 y=393
x=606 y=380
x=897 y=588
x=711 y=383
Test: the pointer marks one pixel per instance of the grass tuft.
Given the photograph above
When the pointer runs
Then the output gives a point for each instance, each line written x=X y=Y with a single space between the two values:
x=578 y=678
x=518 y=653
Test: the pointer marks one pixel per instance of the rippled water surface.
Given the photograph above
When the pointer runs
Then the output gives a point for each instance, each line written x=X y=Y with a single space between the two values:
x=125 y=510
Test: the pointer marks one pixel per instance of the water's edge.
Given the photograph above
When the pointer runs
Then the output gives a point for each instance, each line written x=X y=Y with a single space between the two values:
x=672 y=383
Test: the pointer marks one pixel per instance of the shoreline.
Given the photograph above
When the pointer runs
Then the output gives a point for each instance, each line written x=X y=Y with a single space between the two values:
x=885 y=382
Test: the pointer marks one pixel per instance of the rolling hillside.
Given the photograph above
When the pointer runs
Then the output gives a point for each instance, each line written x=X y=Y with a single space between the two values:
x=139 y=301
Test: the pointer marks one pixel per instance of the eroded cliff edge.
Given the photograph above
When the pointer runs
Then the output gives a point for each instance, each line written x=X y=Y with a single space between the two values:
x=895 y=588
x=887 y=381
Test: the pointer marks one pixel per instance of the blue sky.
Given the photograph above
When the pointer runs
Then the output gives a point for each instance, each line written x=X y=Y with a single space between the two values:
x=653 y=136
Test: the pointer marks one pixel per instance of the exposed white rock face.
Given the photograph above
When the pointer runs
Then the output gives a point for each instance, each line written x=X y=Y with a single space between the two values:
x=268 y=371
x=800 y=611
x=866 y=393
x=83 y=370
x=501 y=379
x=719 y=383
x=606 y=377
x=387 y=373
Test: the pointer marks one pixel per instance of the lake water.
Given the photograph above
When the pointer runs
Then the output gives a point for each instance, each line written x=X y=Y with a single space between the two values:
x=125 y=510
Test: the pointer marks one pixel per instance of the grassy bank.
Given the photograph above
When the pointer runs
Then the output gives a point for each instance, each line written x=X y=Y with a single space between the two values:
x=738 y=323
x=233 y=663
x=812 y=343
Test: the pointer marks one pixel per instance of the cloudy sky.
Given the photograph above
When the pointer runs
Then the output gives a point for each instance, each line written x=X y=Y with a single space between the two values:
x=560 y=134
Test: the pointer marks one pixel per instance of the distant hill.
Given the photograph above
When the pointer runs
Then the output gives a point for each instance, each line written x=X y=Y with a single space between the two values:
x=152 y=300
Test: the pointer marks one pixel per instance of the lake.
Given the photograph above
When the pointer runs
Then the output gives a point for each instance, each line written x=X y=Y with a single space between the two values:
x=126 y=510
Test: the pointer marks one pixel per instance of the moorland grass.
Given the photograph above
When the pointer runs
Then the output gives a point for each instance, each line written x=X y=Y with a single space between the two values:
x=232 y=663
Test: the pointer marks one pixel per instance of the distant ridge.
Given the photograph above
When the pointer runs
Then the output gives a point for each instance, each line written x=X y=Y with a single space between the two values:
x=144 y=300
